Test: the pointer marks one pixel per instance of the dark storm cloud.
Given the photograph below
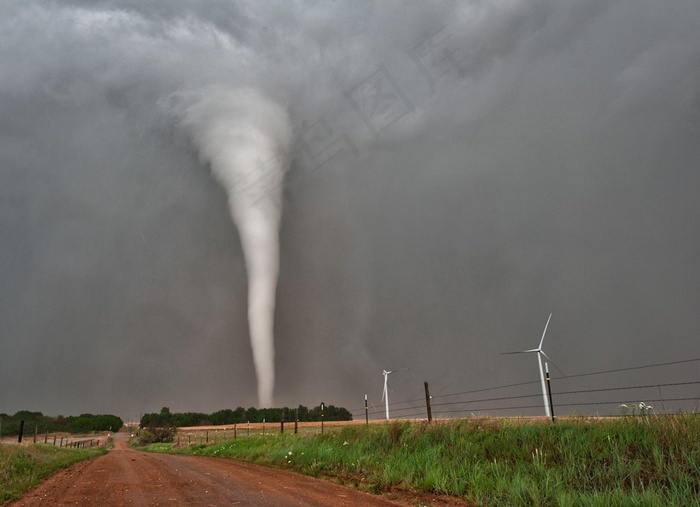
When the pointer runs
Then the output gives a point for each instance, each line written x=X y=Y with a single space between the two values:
x=462 y=169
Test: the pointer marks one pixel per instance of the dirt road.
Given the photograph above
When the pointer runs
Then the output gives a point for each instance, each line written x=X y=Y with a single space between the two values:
x=124 y=476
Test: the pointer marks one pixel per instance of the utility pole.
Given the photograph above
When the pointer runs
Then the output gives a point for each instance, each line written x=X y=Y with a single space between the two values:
x=427 y=402
x=366 y=412
x=549 y=391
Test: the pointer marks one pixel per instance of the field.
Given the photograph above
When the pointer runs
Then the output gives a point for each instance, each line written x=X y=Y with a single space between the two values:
x=651 y=460
x=214 y=434
x=24 y=466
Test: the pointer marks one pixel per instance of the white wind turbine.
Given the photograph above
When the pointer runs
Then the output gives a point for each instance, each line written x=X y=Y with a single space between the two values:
x=540 y=353
x=385 y=393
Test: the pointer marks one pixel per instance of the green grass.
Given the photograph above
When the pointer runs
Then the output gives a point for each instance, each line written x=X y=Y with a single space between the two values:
x=639 y=461
x=24 y=466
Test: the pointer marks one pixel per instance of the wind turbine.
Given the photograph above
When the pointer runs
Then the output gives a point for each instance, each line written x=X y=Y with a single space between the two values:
x=385 y=393
x=540 y=353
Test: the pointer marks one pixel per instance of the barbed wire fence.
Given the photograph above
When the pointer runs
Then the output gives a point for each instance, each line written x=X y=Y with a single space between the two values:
x=584 y=401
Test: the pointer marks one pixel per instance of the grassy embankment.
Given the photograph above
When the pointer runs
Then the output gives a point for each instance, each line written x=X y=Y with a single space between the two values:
x=653 y=460
x=24 y=466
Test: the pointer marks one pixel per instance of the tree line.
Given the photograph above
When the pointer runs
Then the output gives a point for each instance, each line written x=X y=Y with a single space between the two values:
x=241 y=415
x=84 y=423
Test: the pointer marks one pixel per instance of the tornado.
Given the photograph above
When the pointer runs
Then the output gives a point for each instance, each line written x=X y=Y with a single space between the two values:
x=245 y=138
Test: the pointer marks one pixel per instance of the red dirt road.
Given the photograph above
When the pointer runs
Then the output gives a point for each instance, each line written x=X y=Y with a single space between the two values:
x=124 y=476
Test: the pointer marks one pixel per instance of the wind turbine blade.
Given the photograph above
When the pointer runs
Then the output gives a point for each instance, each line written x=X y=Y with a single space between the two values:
x=531 y=350
x=386 y=379
x=544 y=332
x=553 y=363
x=518 y=352
x=558 y=369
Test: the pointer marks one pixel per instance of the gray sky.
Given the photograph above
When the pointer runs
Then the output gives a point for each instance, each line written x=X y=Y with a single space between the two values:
x=461 y=170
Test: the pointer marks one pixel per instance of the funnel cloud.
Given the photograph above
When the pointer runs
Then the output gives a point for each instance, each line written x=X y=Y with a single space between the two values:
x=245 y=137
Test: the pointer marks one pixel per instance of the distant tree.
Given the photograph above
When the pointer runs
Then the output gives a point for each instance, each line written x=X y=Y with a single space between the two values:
x=162 y=419
x=253 y=415
x=303 y=413
x=27 y=415
x=165 y=417
x=149 y=419
x=60 y=423
x=191 y=419
x=287 y=414
x=239 y=415
x=84 y=423
x=330 y=413
x=225 y=416
x=87 y=423
x=338 y=414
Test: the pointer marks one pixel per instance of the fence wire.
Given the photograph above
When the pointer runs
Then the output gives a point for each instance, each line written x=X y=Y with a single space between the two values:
x=416 y=408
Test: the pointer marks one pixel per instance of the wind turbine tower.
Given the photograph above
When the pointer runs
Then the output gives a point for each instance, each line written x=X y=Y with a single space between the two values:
x=385 y=393
x=540 y=353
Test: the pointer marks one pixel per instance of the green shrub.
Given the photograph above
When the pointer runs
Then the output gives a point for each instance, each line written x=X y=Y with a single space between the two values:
x=155 y=435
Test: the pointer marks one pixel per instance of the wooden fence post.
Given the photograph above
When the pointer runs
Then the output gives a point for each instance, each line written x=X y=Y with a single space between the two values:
x=366 y=412
x=427 y=402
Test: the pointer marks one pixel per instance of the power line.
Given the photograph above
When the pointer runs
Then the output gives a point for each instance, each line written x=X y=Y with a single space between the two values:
x=522 y=407
x=689 y=398
x=633 y=368
x=414 y=407
x=487 y=389
x=670 y=363
x=566 y=393
x=602 y=372
x=393 y=404
x=472 y=410
x=627 y=388
x=487 y=399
